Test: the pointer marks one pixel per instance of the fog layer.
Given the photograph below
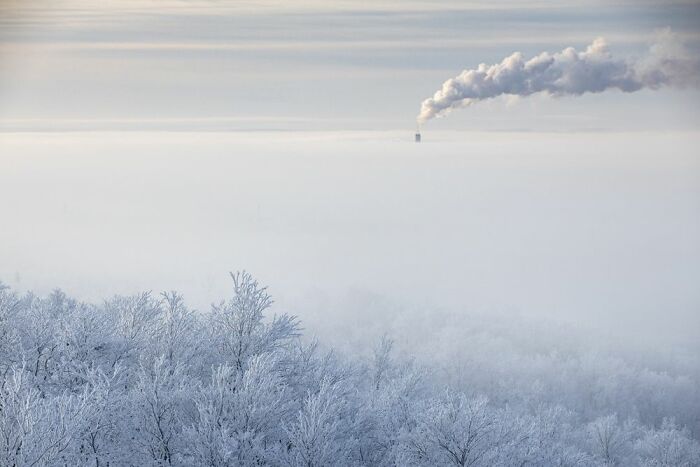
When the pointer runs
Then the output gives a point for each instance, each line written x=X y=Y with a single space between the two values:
x=598 y=228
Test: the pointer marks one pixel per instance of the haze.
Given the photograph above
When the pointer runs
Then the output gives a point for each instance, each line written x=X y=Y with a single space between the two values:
x=600 y=228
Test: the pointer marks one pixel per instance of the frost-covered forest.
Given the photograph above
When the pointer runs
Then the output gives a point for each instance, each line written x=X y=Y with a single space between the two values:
x=146 y=380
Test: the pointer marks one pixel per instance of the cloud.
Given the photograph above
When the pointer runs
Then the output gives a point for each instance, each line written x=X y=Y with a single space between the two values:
x=567 y=73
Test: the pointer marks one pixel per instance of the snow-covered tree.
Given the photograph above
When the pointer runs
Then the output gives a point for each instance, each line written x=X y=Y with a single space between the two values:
x=324 y=431
x=239 y=327
x=160 y=397
x=454 y=430
x=611 y=441
x=36 y=429
x=668 y=446
x=239 y=415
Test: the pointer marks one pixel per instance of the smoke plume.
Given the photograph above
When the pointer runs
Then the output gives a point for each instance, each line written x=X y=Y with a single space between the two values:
x=569 y=72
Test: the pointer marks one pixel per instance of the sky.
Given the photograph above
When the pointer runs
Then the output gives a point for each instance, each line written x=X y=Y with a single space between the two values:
x=212 y=65
x=160 y=144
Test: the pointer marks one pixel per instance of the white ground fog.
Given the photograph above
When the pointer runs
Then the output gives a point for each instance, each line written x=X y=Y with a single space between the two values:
x=600 y=228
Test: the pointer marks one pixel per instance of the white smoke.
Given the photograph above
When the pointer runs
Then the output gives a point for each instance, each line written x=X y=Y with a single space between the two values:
x=569 y=72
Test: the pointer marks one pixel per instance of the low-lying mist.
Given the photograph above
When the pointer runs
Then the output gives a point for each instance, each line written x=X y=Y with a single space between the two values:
x=597 y=229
